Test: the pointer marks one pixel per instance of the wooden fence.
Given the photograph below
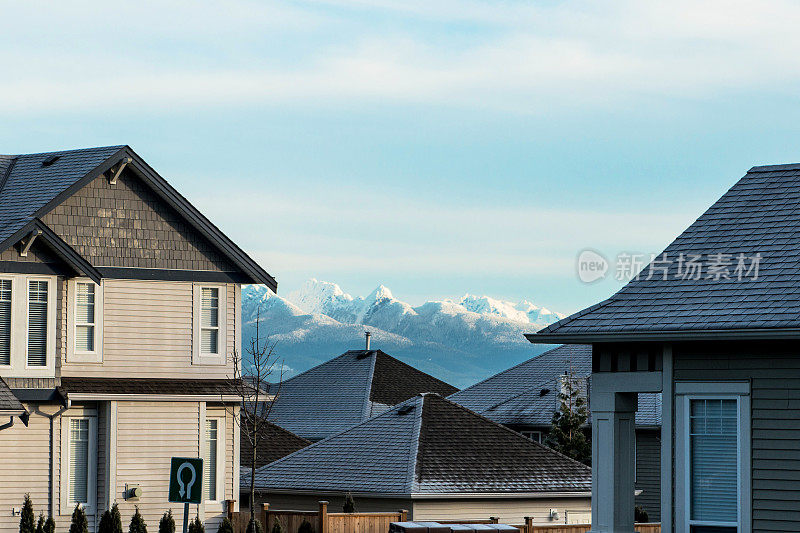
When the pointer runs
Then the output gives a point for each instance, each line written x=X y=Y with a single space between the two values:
x=324 y=522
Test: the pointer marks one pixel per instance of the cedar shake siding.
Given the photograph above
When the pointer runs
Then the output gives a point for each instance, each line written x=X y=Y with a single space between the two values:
x=773 y=369
x=127 y=225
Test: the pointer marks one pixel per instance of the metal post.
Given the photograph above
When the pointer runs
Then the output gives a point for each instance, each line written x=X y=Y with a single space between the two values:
x=185 y=518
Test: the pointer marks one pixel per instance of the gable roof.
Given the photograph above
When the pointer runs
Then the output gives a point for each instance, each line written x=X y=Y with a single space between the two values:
x=346 y=390
x=760 y=214
x=427 y=446
x=274 y=442
x=31 y=185
x=527 y=394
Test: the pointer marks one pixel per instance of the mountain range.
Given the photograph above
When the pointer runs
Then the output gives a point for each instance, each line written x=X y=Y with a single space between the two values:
x=460 y=341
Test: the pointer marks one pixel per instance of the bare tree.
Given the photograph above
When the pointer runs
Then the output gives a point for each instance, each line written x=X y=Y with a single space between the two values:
x=254 y=383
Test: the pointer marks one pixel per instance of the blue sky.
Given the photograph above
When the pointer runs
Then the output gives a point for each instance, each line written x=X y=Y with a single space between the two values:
x=437 y=147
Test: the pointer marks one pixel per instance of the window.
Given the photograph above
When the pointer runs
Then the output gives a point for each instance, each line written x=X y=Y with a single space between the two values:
x=5 y=321
x=535 y=436
x=209 y=321
x=85 y=317
x=713 y=456
x=209 y=342
x=79 y=460
x=37 y=323
x=213 y=460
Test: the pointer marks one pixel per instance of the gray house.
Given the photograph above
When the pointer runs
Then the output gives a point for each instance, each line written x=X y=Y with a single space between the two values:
x=120 y=304
x=713 y=325
x=347 y=390
x=525 y=397
x=438 y=460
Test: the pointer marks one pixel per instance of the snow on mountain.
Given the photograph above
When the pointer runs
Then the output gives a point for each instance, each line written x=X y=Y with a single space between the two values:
x=458 y=341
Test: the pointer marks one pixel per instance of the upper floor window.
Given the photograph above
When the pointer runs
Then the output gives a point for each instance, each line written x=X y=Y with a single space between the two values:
x=37 y=322
x=209 y=331
x=5 y=321
x=85 y=322
x=209 y=321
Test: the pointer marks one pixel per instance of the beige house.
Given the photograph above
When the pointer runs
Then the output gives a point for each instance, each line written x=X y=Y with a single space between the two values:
x=119 y=312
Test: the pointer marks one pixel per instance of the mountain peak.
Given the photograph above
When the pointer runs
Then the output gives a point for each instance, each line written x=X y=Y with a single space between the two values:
x=381 y=293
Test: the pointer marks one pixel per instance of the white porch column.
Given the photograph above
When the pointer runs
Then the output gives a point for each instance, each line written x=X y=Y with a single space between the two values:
x=613 y=462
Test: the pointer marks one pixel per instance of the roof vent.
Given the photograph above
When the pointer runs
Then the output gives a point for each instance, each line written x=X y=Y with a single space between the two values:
x=544 y=392
x=405 y=410
x=50 y=160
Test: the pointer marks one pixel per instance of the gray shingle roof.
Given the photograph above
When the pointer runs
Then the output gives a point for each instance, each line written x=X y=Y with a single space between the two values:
x=426 y=445
x=274 y=442
x=527 y=394
x=346 y=390
x=26 y=186
x=760 y=214
x=8 y=402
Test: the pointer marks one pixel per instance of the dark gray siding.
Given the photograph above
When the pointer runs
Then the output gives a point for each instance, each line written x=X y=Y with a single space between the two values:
x=127 y=225
x=648 y=471
x=774 y=370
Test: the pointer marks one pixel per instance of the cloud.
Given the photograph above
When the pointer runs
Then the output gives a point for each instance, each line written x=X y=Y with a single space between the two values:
x=511 y=56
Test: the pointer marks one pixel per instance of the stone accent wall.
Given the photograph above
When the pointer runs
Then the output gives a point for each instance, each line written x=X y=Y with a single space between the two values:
x=127 y=225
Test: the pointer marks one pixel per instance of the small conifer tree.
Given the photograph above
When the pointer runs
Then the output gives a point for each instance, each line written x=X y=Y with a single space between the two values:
x=106 y=523
x=116 y=519
x=196 y=526
x=40 y=524
x=305 y=527
x=79 y=522
x=50 y=525
x=27 y=520
x=138 y=524
x=167 y=523
x=277 y=527
x=567 y=434
x=254 y=526
x=225 y=526
x=349 y=504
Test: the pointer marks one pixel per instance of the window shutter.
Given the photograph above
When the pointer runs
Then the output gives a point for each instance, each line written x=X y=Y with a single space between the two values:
x=210 y=466
x=37 y=323
x=714 y=460
x=5 y=321
x=79 y=460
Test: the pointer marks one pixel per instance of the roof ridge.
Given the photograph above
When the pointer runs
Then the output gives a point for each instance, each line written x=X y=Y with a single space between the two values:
x=303 y=373
x=413 y=460
x=72 y=150
x=773 y=168
x=7 y=173
x=367 y=408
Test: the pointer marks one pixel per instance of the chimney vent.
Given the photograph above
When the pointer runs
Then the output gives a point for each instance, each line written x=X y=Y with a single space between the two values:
x=368 y=336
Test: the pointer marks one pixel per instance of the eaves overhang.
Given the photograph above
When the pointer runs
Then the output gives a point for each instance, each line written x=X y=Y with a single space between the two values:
x=665 y=336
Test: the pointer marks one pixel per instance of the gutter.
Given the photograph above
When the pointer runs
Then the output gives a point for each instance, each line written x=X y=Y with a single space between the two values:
x=667 y=335
x=432 y=495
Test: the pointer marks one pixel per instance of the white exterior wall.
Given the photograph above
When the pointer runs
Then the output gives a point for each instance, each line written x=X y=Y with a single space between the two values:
x=507 y=510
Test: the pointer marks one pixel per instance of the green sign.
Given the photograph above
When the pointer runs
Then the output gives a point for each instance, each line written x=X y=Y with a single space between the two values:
x=186 y=480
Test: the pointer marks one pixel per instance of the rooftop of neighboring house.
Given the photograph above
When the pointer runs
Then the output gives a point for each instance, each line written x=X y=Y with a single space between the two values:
x=733 y=274
x=32 y=186
x=527 y=394
x=427 y=445
x=273 y=443
x=347 y=390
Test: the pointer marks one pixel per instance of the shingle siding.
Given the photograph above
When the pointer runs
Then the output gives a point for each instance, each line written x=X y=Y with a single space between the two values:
x=127 y=225
x=774 y=371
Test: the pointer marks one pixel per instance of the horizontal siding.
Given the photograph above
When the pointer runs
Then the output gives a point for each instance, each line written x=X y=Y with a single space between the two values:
x=774 y=371
x=147 y=332
x=648 y=472
x=148 y=435
x=507 y=511
x=25 y=464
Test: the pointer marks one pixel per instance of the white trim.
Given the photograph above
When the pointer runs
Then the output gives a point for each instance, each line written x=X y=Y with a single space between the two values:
x=237 y=457
x=199 y=358
x=221 y=456
x=729 y=390
x=12 y=333
x=111 y=453
x=667 y=403
x=89 y=397
x=49 y=369
x=95 y=356
x=90 y=506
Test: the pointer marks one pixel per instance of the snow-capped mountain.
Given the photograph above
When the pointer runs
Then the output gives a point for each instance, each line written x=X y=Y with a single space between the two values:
x=459 y=341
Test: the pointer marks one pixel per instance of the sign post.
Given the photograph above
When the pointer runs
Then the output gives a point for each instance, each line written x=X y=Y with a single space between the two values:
x=186 y=484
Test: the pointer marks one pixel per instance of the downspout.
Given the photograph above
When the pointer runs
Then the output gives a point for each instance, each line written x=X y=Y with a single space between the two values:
x=38 y=411
x=8 y=424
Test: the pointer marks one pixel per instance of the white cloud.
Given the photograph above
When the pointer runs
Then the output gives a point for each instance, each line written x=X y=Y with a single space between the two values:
x=512 y=56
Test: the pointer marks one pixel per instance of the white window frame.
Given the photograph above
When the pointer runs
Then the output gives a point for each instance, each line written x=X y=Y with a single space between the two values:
x=91 y=485
x=49 y=369
x=73 y=355
x=220 y=497
x=199 y=358
x=528 y=434
x=685 y=392
x=14 y=298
